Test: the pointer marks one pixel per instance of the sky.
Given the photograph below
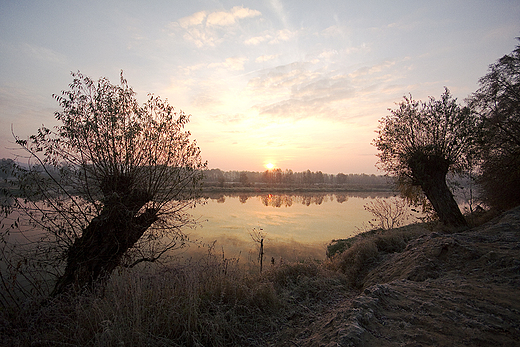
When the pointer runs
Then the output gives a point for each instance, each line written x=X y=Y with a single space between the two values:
x=299 y=84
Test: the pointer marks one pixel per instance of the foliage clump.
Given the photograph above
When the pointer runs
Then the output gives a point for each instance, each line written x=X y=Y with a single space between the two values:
x=497 y=103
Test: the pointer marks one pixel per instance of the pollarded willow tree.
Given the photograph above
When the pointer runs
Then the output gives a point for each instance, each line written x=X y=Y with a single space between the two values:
x=420 y=143
x=112 y=183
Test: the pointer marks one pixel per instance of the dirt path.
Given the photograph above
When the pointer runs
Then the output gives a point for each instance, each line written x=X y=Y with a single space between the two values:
x=459 y=289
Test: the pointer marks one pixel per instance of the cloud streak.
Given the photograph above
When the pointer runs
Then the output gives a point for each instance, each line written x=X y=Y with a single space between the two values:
x=226 y=18
x=302 y=90
x=206 y=29
x=272 y=37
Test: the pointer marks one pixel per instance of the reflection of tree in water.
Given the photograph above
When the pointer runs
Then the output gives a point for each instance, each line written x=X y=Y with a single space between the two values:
x=286 y=200
x=277 y=200
x=341 y=198
x=307 y=199
x=319 y=199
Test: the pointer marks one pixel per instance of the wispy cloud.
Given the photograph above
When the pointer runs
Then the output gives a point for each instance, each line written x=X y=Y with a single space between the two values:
x=264 y=58
x=207 y=28
x=283 y=35
x=332 y=31
x=303 y=90
x=328 y=54
x=272 y=37
x=226 y=18
x=234 y=63
x=257 y=40
x=371 y=70
x=43 y=53
x=277 y=6
x=299 y=91
x=193 y=20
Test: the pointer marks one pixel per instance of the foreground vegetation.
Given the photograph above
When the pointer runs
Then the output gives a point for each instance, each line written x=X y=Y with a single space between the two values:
x=213 y=302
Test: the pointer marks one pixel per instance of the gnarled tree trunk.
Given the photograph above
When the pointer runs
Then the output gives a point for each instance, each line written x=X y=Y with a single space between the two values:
x=429 y=172
x=99 y=250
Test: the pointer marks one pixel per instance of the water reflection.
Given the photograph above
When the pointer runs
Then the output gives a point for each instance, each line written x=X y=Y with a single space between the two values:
x=303 y=198
x=298 y=225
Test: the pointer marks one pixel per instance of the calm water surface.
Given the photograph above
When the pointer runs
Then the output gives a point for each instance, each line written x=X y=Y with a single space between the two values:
x=295 y=226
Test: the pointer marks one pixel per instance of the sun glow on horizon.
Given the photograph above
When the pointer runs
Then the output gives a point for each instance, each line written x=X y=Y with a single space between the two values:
x=269 y=166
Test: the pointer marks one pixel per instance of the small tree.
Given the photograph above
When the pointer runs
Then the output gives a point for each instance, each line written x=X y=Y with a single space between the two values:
x=111 y=184
x=388 y=213
x=420 y=143
x=497 y=103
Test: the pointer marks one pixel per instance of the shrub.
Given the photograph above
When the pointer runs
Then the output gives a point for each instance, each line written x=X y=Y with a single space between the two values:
x=356 y=255
x=303 y=288
x=388 y=213
x=355 y=259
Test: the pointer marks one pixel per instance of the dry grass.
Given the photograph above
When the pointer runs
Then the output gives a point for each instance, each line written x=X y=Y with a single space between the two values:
x=308 y=284
x=355 y=256
x=214 y=302
x=354 y=260
x=203 y=304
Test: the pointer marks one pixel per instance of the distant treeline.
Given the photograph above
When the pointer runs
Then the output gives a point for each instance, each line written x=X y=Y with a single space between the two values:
x=217 y=179
x=289 y=178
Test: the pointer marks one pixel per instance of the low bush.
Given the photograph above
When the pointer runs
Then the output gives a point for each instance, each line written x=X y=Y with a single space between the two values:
x=304 y=283
x=396 y=240
x=354 y=260
x=356 y=255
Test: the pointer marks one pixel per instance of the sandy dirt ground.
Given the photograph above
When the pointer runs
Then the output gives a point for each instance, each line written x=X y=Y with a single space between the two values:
x=459 y=289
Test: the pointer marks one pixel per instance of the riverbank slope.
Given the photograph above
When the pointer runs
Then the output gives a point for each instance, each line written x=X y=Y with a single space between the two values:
x=458 y=289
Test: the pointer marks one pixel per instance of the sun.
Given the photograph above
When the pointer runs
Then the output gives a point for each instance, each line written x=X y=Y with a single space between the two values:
x=269 y=166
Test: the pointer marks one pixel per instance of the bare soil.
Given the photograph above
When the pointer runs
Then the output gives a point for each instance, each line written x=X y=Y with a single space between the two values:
x=458 y=289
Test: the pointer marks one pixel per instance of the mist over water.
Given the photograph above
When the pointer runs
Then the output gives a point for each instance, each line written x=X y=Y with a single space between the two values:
x=296 y=226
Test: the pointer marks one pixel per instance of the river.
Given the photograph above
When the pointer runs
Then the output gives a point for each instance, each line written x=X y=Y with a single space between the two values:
x=295 y=226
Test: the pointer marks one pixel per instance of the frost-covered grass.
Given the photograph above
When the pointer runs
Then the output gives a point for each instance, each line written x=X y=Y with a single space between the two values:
x=213 y=302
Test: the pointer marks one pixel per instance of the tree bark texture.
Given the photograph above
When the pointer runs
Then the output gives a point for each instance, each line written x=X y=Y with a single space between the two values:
x=429 y=171
x=99 y=250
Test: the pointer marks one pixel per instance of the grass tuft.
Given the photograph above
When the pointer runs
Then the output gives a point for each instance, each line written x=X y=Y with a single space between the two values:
x=355 y=256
